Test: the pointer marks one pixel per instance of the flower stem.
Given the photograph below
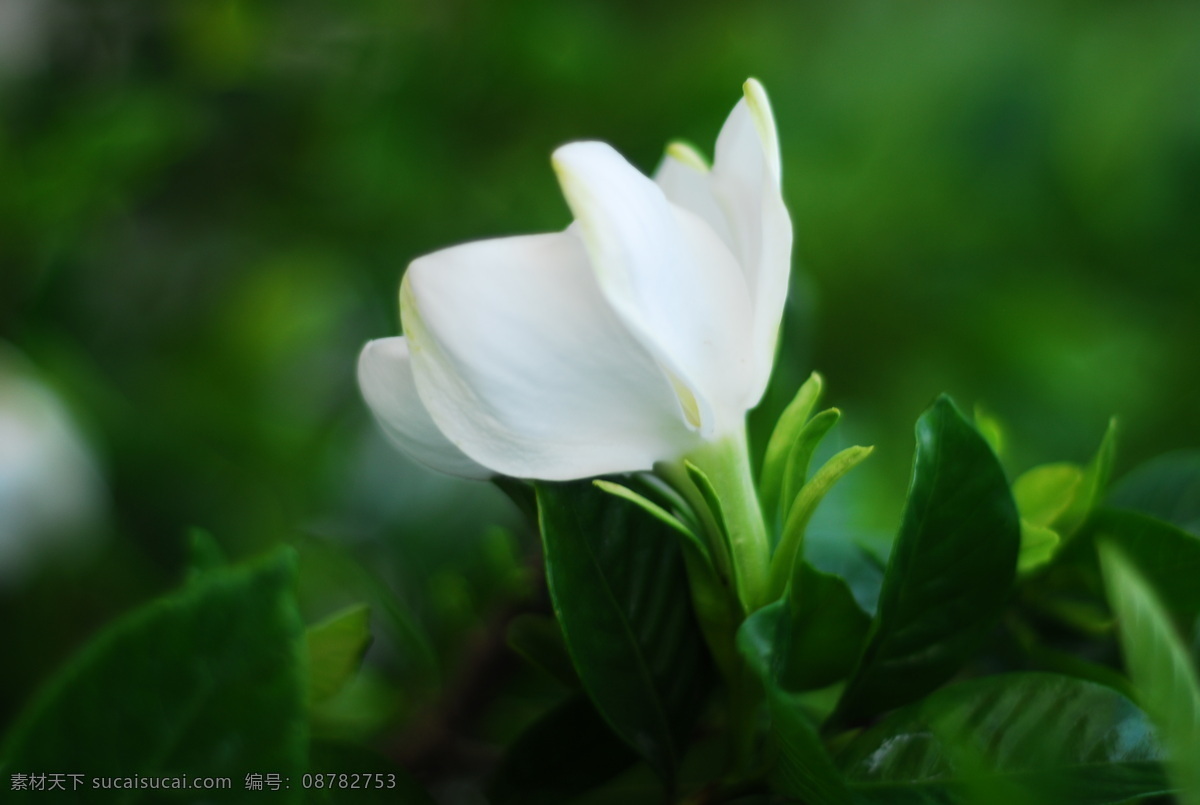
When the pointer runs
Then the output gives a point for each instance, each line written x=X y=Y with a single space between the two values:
x=734 y=520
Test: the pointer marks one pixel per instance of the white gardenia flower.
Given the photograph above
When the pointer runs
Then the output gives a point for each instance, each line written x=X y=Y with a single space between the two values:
x=51 y=489
x=643 y=332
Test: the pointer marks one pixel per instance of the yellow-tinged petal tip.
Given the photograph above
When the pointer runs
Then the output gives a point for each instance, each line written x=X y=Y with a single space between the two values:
x=764 y=121
x=686 y=154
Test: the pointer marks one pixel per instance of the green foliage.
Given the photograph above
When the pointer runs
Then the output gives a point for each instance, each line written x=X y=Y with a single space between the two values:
x=801 y=510
x=1093 y=484
x=539 y=639
x=1163 y=672
x=568 y=752
x=1167 y=556
x=802 y=766
x=335 y=650
x=617 y=580
x=827 y=630
x=783 y=443
x=1044 y=493
x=209 y=681
x=950 y=572
x=205 y=208
x=1167 y=488
x=1036 y=735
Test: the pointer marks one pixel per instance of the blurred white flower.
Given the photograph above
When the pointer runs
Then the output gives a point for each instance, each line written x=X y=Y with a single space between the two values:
x=25 y=30
x=51 y=493
x=643 y=332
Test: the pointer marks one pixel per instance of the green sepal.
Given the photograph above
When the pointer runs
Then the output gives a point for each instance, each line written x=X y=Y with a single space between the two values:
x=795 y=475
x=779 y=446
x=801 y=511
x=658 y=513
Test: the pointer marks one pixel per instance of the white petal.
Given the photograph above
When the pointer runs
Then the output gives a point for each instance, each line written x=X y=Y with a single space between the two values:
x=524 y=366
x=386 y=379
x=686 y=181
x=668 y=276
x=746 y=182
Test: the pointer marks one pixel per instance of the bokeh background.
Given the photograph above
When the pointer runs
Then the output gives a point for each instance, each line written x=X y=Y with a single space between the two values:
x=206 y=207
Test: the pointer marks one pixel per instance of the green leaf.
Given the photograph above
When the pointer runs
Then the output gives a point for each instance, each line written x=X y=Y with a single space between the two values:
x=779 y=446
x=803 y=767
x=336 y=647
x=1071 y=741
x=1093 y=485
x=714 y=609
x=567 y=752
x=1038 y=546
x=1166 y=487
x=827 y=630
x=990 y=429
x=801 y=511
x=376 y=780
x=617 y=581
x=657 y=512
x=539 y=639
x=950 y=571
x=205 y=682
x=1043 y=493
x=1161 y=669
x=520 y=492
x=1168 y=556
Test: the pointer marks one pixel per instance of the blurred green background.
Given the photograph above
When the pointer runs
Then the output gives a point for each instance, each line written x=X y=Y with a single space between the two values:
x=206 y=206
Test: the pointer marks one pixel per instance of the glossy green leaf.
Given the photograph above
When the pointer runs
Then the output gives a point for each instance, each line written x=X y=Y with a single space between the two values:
x=1069 y=741
x=1168 y=556
x=950 y=571
x=791 y=539
x=539 y=639
x=1160 y=666
x=567 y=752
x=819 y=631
x=205 y=682
x=654 y=510
x=1043 y=493
x=715 y=610
x=336 y=647
x=1166 y=487
x=779 y=446
x=618 y=584
x=802 y=766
